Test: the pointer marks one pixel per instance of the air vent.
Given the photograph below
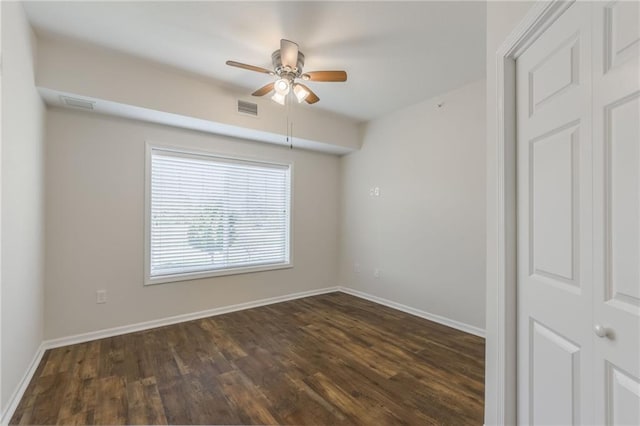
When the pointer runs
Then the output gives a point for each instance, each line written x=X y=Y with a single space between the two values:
x=248 y=108
x=77 y=103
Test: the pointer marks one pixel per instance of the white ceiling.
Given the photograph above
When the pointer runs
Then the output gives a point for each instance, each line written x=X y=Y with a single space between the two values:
x=396 y=53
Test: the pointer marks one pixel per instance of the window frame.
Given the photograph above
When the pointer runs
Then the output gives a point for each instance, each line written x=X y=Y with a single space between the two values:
x=150 y=147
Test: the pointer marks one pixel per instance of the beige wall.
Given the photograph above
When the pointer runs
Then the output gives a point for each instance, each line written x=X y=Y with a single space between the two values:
x=95 y=222
x=502 y=18
x=22 y=202
x=92 y=71
x=426 y=230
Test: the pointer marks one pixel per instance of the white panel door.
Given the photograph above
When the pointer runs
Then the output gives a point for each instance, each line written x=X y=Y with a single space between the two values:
x=616 y=143
x=578 y=89
x=555 y=238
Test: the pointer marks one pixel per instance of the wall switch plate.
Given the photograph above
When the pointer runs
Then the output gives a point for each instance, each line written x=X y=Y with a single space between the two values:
x=356 y=268
x=376 y=191
x=371 y=192
x=101 y=296
x=376 y=273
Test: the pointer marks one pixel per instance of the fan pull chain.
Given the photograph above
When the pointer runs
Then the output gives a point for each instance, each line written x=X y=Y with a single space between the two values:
x=291 y=145
x=287 y=130
x=289 y=125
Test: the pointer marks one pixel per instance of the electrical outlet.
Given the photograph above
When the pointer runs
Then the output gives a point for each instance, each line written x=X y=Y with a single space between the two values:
x=376 y=273
x=376 y=191
x=101 y=296
x=356 y=268
x=371 y=192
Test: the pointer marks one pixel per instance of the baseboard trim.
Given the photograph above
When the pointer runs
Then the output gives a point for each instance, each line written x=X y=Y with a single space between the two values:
x=147 y=325
x=22 y=386
x=417 y=312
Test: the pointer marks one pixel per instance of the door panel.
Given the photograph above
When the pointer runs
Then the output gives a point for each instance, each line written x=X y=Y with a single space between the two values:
x=555 y=377
x=555 y=348
x=616 y=141
x=553 y=188
x=623 y=392
x=620 y=32
x=622 y=124
x=554 y=74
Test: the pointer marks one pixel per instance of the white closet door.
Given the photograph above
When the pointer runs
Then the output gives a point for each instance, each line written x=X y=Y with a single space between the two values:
x=616 y=137
x=555 y=279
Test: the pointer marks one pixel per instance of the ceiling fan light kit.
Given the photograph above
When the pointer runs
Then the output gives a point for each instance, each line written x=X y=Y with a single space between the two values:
x=278 y=98
x=282 y=86
x=288 y=63
x=300 y=92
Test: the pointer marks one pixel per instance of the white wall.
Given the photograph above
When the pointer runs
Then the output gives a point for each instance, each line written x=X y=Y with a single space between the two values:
x=426 y=230
x=502 y=17
x=22 y=202
x=95 y=213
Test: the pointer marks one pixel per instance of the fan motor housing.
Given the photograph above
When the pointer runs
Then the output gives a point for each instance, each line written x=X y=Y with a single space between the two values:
x=285 y=71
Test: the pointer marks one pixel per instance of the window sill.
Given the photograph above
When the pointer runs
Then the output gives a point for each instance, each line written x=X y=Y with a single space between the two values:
x=164 y=279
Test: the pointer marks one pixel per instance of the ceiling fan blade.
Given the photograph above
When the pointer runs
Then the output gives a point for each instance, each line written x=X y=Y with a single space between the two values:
x=249 y=67
x=263 y=90
x=288 y=53
x=325 y=76
x=311 y=98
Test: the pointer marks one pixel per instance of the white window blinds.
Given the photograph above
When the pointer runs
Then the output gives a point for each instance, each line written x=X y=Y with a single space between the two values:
x=212 y=214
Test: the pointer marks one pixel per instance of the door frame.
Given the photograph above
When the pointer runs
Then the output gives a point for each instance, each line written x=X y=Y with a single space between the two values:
x=541 y=15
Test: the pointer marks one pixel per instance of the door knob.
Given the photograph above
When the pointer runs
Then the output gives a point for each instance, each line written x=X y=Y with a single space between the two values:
x=601 y=331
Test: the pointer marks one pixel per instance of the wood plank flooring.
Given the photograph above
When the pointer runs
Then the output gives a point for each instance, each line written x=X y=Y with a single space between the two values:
x=332 y=359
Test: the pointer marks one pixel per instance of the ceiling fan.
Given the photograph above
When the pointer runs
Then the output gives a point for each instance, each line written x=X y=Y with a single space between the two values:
x=288 y=62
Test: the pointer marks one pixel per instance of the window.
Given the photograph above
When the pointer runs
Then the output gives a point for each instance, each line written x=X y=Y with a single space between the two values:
x=209 y=215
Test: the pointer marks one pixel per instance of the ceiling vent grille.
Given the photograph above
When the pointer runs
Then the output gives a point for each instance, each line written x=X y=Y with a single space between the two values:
x=77 y=103
x=248 y=108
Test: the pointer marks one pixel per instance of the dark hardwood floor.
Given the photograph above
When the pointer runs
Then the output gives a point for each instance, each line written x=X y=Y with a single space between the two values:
x=326 y=360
